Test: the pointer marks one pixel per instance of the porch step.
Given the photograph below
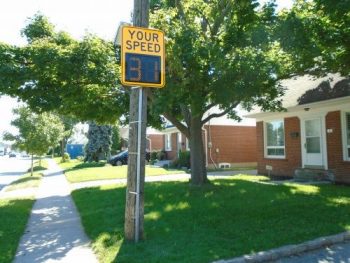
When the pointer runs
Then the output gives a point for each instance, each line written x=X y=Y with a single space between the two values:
x=311 y=174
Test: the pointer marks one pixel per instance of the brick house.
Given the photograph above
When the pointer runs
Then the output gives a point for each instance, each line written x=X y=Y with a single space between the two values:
x=227 y=143
x=313 y=135
x=154 y=139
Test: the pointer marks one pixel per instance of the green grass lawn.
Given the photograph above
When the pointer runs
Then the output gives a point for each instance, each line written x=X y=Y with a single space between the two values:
x=225 y=219
x=67 y=165
x=25 y=181
x=28 y=181
x=14 y=214
x=77 y=171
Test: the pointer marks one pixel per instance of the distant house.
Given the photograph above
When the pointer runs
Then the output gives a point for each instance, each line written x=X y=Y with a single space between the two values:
x=227 y=143
x=154 y=139
x=313 y=135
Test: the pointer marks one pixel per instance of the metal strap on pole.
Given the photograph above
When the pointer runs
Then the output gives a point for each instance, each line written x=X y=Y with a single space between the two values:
x=138 y=169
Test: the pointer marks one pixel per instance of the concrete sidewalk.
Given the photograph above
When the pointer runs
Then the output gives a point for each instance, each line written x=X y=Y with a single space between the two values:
x=54 y=232
x=332 y=254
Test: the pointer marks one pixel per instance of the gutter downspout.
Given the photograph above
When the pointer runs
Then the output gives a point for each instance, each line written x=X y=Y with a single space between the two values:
x=210 y=154
x=206 y=146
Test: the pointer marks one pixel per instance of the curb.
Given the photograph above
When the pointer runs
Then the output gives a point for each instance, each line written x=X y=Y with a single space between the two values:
x=289 y=250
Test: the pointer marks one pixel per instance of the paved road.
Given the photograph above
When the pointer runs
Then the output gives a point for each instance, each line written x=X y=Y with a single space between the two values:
x=335 y=254
x=11 y=169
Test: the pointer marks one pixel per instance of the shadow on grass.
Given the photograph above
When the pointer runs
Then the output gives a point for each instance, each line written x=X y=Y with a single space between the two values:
x=225 y=219
x=13 y=218
x=26 y=180
x=37 y=168
x=86 y=165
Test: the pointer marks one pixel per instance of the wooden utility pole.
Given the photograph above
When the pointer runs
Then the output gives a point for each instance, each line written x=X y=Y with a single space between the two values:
x=134 y=206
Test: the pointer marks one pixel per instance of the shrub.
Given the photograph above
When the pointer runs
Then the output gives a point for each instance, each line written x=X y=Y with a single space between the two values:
x=161 y=155
x=66 y=157
x=153 y=161
x=80 y=158
x=154 y=155
x=185 y=159
x=182 y=161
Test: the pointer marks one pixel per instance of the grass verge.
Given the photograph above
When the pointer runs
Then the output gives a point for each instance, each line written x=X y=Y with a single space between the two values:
x=25 y=181
x=40 y=165
x=77 y=171
x=225 y=219
x=14 y=214
x=28 y=181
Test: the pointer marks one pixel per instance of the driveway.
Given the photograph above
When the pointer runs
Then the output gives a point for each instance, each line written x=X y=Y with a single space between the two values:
x=11 y=169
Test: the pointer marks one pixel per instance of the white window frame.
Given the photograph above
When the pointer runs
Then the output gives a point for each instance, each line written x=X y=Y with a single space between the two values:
x=167 y=139
x=187 y=145
x=179 y=139
x=346 y=147
x=274 y=147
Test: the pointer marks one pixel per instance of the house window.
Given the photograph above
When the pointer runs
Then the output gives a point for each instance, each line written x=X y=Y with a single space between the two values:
x=187 y=145
x=347 y=136
x=274 y=139
x=168 y=142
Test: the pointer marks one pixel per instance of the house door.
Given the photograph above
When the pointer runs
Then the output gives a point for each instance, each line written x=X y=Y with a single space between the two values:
x=313 y=143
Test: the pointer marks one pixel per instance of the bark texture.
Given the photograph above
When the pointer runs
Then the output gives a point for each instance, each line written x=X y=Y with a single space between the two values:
x=198 y=165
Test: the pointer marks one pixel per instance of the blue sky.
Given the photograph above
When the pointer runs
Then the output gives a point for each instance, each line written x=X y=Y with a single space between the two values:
x=77 y=17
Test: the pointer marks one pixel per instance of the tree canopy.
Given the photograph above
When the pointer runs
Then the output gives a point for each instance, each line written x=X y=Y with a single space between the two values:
x=54 y=72
x=219 y=54
x=36 y=132
x=316 y=35
x=100 y=142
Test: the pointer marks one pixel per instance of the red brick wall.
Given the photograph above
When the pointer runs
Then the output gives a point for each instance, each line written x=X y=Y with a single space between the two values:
x=281 y=167
x=157 y=142
x=336 y=161
x=236 y=144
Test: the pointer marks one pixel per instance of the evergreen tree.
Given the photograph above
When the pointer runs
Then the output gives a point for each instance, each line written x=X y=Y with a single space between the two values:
x=99 y=144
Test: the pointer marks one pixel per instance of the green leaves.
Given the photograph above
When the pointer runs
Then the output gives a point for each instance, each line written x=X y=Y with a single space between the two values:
x=38 y=27
x=220 y=53
x=37 y=132
x=57 y=73
x=316 y=34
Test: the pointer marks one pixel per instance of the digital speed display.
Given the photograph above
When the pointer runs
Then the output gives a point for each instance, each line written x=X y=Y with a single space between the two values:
x=142 y=68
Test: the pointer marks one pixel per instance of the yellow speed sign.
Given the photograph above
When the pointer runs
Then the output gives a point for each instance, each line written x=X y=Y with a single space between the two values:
x=143 y=57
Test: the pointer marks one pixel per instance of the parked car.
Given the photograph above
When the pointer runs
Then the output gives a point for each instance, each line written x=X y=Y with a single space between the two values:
x=122 y=158
x=12 y=155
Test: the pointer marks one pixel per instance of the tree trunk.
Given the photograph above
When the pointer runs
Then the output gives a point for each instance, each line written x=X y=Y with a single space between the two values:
x=31 y=168
x=198 y=164
x=62 y=150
